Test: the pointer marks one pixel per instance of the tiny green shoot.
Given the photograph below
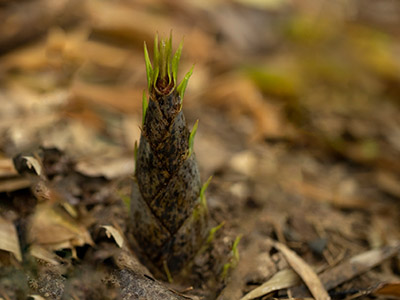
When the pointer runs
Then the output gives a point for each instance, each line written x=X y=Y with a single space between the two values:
x=169 y=53
x=235 y=250
x=203 y=190
x=175 y=62
x=213 y=231
x=145 y=104
x=149 y=68
x=182 y=86
x=233 y=261
x=127 y=201
x=167 y=272
x=191 y=138
x=156 y=60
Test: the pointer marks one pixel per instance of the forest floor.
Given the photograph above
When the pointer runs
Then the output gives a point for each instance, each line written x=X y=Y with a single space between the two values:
x=298 y=105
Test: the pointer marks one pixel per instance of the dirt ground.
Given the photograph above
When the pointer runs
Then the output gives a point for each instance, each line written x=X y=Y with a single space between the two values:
x=298 y=105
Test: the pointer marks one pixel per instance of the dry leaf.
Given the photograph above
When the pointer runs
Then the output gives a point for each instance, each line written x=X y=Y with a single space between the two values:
x=7 y=168
x=43 y=254
x=14 y=184
x=307 y=274
x=389 y=183
x=324 y=195
x=54 y=229
x=112 y=231
x=264 y=4
x=37 y=297
x=238 y=95
x=107 y=96
x=9 y=238
x=353 y=267
x=110 y=167
x=388 y=290
x=33 y=163
x=281 y=280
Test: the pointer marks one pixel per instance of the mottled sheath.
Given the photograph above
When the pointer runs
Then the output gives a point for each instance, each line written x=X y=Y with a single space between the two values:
x=168 y=209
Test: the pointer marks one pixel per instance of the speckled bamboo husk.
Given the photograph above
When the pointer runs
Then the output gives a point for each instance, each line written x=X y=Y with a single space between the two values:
x=169 y=216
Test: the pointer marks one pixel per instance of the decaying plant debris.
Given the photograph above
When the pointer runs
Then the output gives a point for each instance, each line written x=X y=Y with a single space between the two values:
x=298 y=104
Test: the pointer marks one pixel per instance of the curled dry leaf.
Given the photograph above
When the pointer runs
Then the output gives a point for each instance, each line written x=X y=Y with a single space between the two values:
x=54 y=229
x=388 y=290
x=43 y=254
x=281 y=280
x=9 y=239
x=111 y=231
x=306 y=273
x=33 y=163
x=353 y=267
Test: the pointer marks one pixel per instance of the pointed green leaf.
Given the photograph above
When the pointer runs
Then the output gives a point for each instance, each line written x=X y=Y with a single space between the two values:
x=182 y=86
x=149 y=68
x=163 y=59
x=203 y=190
x=169 y=54
x=213 y=231
x=235 y=250
x=232 y=263
x=175 y=62
x=156 y=60
x=191 y=137
x=167 y=272
x=145 y=104
x=126 y=199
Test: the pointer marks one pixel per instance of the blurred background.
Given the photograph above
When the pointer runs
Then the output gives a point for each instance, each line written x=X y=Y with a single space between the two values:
x=324 y=73
x=320 y=74
x=298 y=102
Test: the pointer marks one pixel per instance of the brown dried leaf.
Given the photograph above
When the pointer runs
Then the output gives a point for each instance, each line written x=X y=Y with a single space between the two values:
x=319 y=194
x=14 y=184
x=33 y=163
x=43 y=254
x=107 y=96
x=9 y=238
x=357 y=265
x=240 y=96
x=111 y=231
x=110 y=167
x=281 y=280
x=7 y=168
x=306 y=273
x=37 y=297
x=388 y=290
x=353 y=267
x=389 y=183
x=54 y=229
